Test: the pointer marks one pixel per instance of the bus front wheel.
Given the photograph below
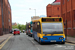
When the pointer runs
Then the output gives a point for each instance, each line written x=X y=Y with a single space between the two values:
x=62 y=42
x=40 y=41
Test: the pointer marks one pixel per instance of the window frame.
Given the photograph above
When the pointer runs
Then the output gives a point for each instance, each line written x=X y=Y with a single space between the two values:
x=63 y=1
x=67 y=0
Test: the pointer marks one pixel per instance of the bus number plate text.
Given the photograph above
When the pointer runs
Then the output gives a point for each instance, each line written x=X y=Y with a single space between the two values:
x=53 y=41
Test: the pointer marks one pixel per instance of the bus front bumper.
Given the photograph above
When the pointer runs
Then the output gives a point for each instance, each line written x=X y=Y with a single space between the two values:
x=62 y=40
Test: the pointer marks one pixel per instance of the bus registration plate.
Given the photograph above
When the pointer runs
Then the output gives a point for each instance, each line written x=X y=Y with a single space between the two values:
x=53 y=41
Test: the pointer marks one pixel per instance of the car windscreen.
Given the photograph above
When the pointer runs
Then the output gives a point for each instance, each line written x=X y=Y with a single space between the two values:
x=52 y=28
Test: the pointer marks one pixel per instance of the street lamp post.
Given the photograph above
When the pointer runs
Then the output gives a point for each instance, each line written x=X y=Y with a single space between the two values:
x=35 y=12
x=34 y=9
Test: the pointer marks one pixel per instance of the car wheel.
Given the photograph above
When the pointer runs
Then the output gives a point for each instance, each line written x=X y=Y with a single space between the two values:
x=14 y=34
x=19 y=33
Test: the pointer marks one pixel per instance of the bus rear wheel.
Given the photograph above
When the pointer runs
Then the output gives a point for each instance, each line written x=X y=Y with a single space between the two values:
x=34 y=38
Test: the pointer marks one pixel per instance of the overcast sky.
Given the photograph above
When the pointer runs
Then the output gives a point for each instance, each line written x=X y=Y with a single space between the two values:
x=20 y=9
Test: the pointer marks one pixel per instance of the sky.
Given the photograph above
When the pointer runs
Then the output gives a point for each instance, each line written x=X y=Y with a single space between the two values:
x=21 y=12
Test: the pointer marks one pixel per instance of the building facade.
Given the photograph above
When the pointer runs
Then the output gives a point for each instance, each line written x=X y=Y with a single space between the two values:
x=35 y=18
x=14 y=24
x=53 y=10
x=5 y=17
x=68 y=15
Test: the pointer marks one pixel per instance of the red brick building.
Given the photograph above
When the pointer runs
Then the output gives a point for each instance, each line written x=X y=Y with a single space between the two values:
x=14 y=24
x=53 y=10
x=5 y=17
x=68 y=14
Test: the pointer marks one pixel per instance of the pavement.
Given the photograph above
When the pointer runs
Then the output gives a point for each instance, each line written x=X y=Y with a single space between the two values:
x=70 y=39
x=4 y=37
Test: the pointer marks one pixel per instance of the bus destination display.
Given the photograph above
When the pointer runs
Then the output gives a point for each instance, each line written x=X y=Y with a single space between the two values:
x=51 y=19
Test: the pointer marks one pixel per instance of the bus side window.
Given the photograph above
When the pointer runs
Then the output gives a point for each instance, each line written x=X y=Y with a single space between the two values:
x=34 y=29
x=38 y=28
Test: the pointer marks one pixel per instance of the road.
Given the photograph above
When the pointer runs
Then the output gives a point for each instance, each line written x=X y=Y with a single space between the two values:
x=24 y=42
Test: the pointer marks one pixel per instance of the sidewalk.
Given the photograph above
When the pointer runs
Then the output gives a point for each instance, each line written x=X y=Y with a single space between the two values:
x=4 y=37
x=70 y=40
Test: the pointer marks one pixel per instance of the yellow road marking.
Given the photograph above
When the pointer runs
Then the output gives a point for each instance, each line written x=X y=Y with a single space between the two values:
x=4 y=42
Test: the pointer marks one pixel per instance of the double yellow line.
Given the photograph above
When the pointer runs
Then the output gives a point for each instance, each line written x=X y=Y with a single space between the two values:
x=1 y=46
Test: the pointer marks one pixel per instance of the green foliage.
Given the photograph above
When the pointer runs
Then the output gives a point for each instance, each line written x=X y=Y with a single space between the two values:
x=20 y=27
x=14 y=26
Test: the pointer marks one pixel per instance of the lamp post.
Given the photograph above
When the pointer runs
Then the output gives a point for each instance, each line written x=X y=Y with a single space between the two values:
x=33 y=9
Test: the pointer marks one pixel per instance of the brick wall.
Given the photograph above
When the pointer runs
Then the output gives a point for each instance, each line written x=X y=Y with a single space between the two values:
x=53 y=10
x=4 y=17
x=68 y=13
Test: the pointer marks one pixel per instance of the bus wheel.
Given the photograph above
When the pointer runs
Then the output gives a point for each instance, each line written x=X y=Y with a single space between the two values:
x=63 y=43
x=14 y=34
x=40 y=41
x=34 y=39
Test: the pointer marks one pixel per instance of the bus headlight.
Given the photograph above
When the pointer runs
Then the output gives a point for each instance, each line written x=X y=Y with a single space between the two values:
x=44 y=38
x=61 y=38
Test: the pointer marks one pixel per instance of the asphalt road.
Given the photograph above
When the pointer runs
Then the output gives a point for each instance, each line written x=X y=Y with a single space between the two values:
x=24 y=42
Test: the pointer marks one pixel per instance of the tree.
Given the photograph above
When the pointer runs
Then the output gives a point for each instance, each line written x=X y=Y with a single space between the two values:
x=20 y=27
x=14 y=27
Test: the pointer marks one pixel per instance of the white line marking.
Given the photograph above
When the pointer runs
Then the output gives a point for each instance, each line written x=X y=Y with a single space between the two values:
x=38 y=48
x=33 y=43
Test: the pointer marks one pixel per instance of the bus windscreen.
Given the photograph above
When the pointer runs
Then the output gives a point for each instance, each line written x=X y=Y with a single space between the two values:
x=52 y=28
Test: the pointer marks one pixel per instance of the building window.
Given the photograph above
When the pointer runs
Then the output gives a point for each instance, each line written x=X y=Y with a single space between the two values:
x=58 y=8
x=68 y=16
x=9 y=20
x=63 y=16
x=8 y=12
x=58 y=15
x=74 y=14
x=49 y=16
x=63 y=1
x=67 y=0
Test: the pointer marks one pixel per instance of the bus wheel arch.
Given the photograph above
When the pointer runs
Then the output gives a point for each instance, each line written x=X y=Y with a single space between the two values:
x=39 y=40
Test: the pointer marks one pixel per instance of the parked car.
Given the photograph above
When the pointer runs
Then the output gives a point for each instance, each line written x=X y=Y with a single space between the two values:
x=16 y=32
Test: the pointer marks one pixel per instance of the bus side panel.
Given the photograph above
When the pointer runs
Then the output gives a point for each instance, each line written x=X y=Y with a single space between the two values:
x=35 y=36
